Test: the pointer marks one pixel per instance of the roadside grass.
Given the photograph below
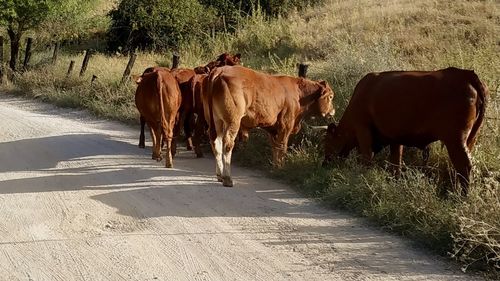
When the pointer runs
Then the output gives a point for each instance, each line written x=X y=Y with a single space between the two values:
x=342 y=41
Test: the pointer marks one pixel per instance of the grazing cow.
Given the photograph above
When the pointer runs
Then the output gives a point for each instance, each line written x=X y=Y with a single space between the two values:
x=158 y=99
x=412 y=108
x=183 y=77
x=240 y=97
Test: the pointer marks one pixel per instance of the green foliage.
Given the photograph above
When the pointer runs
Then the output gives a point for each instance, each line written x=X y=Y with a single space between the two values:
x=157 y=24
x=21 y=15
x=70 y=20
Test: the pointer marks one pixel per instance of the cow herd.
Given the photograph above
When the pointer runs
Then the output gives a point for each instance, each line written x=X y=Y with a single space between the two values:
x=395 y=109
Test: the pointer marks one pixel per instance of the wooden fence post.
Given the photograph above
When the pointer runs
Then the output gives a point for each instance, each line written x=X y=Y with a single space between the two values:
x=1 y=60
x=85 y=62
x=56 y=50
x=27 y=55
x=175 y=60
x=303 y=69
x=128 y=69
x=70 y=68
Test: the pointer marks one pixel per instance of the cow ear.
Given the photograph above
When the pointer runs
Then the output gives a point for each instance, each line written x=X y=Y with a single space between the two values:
x=137 y=78
x=237 y=56
x=322 y=83
x=223 y=57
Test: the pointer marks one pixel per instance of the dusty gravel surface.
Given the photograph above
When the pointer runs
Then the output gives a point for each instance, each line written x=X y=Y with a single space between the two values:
x=80 y=201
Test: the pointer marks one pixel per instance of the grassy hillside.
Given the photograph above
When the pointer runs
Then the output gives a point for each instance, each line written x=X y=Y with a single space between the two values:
x=342 y=41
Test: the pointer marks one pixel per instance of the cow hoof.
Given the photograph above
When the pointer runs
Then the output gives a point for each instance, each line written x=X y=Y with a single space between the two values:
x=169 y=165
x=142 y=146
x=228 y=182
x=220 y=178
x=189 y=148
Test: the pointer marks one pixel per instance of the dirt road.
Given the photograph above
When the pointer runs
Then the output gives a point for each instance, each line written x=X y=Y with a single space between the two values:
x=80 y=201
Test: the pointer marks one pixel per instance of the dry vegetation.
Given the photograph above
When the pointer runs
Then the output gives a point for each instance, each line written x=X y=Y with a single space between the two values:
x=342 y=41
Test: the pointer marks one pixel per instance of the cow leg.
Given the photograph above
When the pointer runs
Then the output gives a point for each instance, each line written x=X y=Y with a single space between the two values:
x=280 y=144
x=198 y=134
x=170 y=135
x=168 y=154
x=459 y=156
x=189 y=124
x=365 y=142
x=175 y=134
x=216 y=143
x=395 y=158
x=157 y=140
x=230 y=134
x=142 y=138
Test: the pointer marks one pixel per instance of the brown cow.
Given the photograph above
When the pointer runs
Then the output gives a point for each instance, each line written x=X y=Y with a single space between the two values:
x=158 y=99
x=413 y=109
x=237 y=96
x=183 y=77
x=222 y=60
x=193 y=118
x=199 y=123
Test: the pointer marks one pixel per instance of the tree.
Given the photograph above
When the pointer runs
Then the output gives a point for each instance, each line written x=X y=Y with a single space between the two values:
x=157 y=24
x=18 y=16
x=72 y=20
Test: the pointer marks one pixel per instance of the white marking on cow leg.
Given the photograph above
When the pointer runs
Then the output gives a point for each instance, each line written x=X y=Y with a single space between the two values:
x=226 y=178
x=217 y=148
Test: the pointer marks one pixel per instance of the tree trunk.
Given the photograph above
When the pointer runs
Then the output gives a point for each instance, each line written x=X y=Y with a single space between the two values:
x=15 y=40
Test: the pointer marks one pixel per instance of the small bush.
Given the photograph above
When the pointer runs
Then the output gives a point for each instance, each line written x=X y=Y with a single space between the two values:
x=157 y=24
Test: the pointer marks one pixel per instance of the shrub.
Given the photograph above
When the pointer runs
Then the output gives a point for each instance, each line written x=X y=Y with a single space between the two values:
x=156 y=24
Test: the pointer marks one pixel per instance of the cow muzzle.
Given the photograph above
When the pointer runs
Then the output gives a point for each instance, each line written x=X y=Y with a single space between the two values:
x=329 y=114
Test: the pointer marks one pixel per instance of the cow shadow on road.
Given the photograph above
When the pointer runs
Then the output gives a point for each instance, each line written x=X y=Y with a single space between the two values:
x=46 y=152
x=77 y=162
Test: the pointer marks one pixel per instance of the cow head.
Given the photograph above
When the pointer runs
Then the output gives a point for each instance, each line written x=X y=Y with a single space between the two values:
x=138 y=78
x=202 y=70
x=222 y=60
x=325 y=100
x=227 y=59
x=339 y=141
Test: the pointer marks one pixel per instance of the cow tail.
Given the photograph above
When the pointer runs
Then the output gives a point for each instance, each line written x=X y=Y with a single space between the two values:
x=163 y=120
x=211 y=80
x=192 y=84
x=481 y=103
